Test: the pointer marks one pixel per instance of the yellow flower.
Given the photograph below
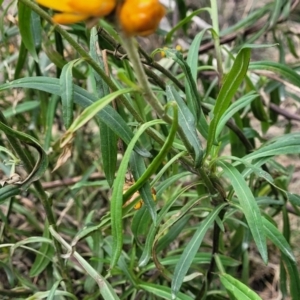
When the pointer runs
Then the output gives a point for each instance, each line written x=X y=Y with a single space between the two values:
x=73 y=11
x=140 y=17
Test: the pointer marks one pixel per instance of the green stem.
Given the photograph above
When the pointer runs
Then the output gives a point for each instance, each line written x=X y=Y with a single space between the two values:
x=216 y=36
x=215 y=250
x=128 y=44
x=148 y=60
x=131 y=49
x=158 y=159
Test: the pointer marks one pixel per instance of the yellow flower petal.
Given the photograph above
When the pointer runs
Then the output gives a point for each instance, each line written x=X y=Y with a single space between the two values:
x=93 y=8
x=140 y=17
x=68 y=18
x=60 y=5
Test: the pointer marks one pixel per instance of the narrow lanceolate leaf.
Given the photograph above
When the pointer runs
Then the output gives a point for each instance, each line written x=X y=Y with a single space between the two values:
x=249 y=206
x=192 y=61
x=286 y=144
x=24 y=14
x=159 y=157
x=278 y=239
x=42 y=162
x=187 y=125
x=232 y=82
x=138 y=169
x=192 y=98
x=67 y=93
x=294 y=278
x=108 y=138
x=101 y=86
x=234 y=108
x=20 y=108
x=184 y=21
x=163 y=292
x=193 y=54
x=237 y=288
x=288 y=260
x=281 y=69
x=117 y=196
x=23 y=52
x=257 y=106
x=81 y=97
x=106 y=290
x=108 y=145
x=8 y=191
x=90 y=112
x=190 y=251
x=44 y=257
x=54 y=289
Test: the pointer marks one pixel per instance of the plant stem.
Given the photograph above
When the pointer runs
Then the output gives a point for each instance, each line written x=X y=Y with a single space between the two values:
x=131 y=49
x=216 y=36
x=215 y=249
x=128 y=44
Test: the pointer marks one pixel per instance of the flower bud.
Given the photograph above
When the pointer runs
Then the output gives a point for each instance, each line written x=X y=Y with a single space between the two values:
x=140 y=17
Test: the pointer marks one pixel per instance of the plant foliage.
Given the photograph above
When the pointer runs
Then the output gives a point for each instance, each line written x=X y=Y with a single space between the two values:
x=135 y=169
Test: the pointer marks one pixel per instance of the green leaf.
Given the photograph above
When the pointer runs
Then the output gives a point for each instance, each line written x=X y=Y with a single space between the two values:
x=249 y=207
x=108 y=138
x=248 y=21
x=8 y=191
x=257 y=106
x=140 y=223
x=154 y=227
x=191 y=249
x=286 y=144
x=67 y=92
x=54 y=289
x=52 y=293
x=94 y=108
x=172 y=234
x=105 y=288
x=294 y=199
x=276 y=12
x=117 y=195
x=20 y=108
x=154 y=165
x=294 y=281
x=102 y=88
x=237 y=288
x=192 y=98
x=184 y=21
x=44 y=257
x=138 y=169
x=233 y=109
x=232 y=82
x=193 y=54
x=109 y=152
x=24 y=15
x=163 y=292
x=21 y=60
x=182 y=10
x=42 y=162
x=281 y=69
x=60 y=62
x=187 y=125
x=200 y=258
x=278 y=239
x=81 y=97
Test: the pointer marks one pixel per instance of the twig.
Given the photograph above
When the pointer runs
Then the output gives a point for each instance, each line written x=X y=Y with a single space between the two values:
x=69 y=181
